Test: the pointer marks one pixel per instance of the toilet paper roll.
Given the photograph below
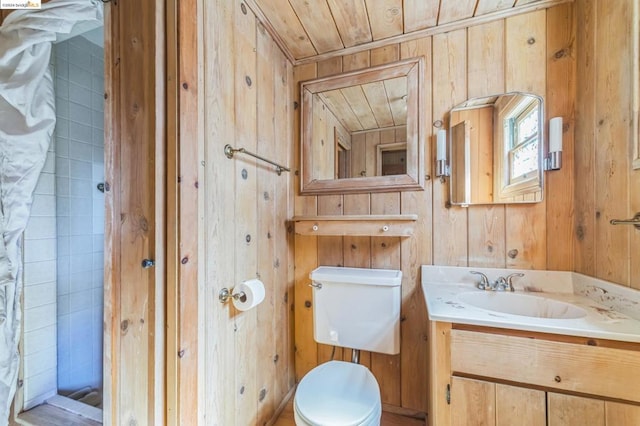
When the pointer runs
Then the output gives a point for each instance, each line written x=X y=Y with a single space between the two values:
x=253 y=294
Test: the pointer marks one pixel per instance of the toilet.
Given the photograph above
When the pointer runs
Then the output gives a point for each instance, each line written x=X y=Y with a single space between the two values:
x=354 y=308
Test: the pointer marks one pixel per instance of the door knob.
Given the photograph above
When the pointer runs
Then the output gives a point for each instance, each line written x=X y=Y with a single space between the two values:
x=148 y=263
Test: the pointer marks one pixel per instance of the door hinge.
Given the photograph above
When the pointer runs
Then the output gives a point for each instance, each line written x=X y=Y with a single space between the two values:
x=448 y=394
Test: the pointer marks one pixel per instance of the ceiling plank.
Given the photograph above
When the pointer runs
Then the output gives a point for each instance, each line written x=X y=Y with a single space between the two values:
x=319 y=24
x=285 y=22
x=487 y=6
x=352 y=21
x=455 y=10
x=420 y=14
x=440 y=29
x=377 y=98
x=337 y=104
x=385 y=18
x=396 y=92
x=358 y=102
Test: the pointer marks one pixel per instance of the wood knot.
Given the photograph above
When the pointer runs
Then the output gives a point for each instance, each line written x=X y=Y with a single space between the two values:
x=580 y=232
x=124 y=326
x=513 y=253
x=263 y=394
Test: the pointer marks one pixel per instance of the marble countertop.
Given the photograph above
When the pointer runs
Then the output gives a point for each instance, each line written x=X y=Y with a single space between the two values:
x=612 y=311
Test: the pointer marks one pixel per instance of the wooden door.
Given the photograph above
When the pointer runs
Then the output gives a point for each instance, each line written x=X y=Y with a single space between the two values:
x=134 y=195
x=481 y=403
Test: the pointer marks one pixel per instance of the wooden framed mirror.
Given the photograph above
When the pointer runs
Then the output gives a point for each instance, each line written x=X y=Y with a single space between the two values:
x=362 y=132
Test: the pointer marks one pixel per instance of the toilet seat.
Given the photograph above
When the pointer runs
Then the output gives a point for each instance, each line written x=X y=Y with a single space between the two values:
x=338 y=393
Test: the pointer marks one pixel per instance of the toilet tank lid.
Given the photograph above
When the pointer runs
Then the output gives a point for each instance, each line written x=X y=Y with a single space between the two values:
x=381 y=277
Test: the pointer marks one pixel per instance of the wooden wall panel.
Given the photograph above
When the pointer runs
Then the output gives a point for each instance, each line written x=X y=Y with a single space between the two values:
x=247 y=364
x=606 y=185
x=465 y=63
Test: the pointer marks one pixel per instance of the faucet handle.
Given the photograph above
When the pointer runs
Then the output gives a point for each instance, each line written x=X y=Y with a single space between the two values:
x=510 y=278
x=484 y=281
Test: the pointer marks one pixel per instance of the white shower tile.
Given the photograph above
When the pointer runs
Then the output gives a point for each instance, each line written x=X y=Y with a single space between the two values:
x=98 y=278
x=38 y=362
x=81 y=263
x=39 y=295
x=97 y=85
x=80 y=77
x=39 y=228
x=80 y=281
x=49 y=163
x=79 y=132
x=80 y=244
x=98 y=299
x=44 y=205
x=83 y=152
x=79 y=94
x=81 y=187
x=98 y=155
x=62 y=111
x=41 y=272
x=98 y=243
x=39 y=317
x=63 y=305
x=46 y=184
x=40 y=339
x=61 y=51
x=97 y=100
x=81 y=225
x=80 y=300
x=80 y=169
x=62 y=89
x=80 y=191
x=97 y=119
x=40 y=387
x=62 y=127
x=79 y=113
x=79 y=56
x=97 y=137
x=63 y=226
x=64 y=248
x=45 y=250
x=62 y=168
x=62 y=206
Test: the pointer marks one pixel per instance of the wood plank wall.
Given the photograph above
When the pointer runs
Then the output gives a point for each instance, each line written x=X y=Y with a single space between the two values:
x=535 y=53
x=606 y=186
x=246 y=365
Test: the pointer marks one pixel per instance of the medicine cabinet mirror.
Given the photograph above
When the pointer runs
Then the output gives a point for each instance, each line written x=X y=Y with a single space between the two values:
x=496 y=150
x=361 y=131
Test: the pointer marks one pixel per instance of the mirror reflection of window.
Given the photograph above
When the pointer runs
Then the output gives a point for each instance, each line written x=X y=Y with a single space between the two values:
x=522 y=141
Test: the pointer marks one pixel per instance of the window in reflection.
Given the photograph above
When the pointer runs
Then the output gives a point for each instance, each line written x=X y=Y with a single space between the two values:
x=522 y=141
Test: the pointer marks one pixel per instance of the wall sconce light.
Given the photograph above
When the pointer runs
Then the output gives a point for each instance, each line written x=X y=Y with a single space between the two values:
x=554 y=159
x=442 y=170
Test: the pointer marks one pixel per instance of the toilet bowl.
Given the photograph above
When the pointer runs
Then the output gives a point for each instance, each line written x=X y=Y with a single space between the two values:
x=338 y=393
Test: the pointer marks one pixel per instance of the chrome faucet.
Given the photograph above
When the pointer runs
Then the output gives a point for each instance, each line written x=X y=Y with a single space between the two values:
x=501 y=284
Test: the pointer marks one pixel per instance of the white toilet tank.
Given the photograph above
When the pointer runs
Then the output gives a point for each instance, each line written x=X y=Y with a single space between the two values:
x=357 y=308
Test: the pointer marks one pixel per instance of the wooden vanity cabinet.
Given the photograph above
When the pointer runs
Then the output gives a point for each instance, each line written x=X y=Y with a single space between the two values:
x=496 y=377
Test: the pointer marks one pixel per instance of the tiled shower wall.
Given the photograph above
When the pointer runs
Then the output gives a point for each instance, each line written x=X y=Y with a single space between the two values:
x=80 y=212
x=63 y=249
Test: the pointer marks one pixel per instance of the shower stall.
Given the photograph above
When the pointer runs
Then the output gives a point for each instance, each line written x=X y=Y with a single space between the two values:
x=63 y=242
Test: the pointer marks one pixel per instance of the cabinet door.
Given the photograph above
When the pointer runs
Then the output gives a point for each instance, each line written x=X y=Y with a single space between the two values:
x=617 y=414
x=568 y=410
x=476 y=403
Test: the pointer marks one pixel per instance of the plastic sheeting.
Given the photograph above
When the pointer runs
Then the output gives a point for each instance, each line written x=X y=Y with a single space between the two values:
x=27 y=121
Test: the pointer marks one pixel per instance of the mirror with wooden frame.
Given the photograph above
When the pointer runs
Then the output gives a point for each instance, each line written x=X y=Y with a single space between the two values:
x=361 y=131
x=496 y=146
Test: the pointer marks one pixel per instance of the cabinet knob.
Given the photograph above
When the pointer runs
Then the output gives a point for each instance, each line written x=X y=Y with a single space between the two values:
x=315 y=227
x=385 y=228
x=558 y=379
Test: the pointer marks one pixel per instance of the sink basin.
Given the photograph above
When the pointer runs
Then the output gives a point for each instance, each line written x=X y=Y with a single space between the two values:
x=522 y=304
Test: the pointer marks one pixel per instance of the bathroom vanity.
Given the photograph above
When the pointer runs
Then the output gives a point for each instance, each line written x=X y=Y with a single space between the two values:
x=566 y=354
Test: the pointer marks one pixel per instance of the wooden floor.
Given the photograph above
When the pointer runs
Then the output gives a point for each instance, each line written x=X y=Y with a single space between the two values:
x=388 y=419
x=48 y=415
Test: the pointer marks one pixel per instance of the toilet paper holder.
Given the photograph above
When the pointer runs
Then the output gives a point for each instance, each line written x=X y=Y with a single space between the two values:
x=225 y=295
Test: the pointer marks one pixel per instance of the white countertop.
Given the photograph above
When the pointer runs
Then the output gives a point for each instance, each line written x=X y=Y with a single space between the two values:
x=612 y=311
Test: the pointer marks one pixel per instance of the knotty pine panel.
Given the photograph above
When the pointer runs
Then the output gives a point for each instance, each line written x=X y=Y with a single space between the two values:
x=474 y=236
x=247 y=363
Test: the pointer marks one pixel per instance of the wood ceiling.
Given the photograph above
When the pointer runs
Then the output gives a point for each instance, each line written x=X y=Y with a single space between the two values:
x=369 y=106
x=311 y=30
